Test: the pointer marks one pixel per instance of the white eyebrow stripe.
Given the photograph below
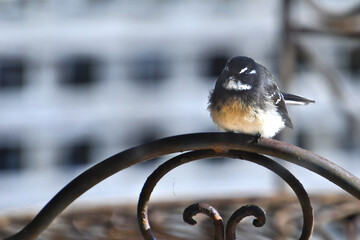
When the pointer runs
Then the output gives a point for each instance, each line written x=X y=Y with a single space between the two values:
x=243 y=70
x=253 y=72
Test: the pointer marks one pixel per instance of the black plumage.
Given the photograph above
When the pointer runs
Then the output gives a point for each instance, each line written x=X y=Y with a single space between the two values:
x=247 y=99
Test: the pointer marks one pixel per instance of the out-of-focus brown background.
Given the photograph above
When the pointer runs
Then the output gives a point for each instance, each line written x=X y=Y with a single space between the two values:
x=82 y=80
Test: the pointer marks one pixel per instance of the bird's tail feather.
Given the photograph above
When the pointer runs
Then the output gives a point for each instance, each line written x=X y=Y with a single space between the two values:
x=296 y=100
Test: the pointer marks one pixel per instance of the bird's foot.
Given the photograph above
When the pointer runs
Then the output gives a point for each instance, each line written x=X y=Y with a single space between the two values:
x=256 y=138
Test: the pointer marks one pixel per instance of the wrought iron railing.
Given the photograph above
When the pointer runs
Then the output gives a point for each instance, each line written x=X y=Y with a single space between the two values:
x=200 y=146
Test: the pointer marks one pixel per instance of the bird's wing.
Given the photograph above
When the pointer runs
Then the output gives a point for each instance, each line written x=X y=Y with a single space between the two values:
x=275 y=95
x=296 y=100
x=279 y=101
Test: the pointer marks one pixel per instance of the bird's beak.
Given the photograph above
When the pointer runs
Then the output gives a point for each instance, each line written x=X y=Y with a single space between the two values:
x=231 y=81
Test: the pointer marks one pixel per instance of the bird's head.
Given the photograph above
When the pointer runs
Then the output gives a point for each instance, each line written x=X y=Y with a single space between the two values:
x=239 y=74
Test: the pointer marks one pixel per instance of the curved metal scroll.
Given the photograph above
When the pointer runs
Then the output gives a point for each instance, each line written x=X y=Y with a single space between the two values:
x=259 y=213
x=206 y=209
x=219 y=142
x=238 y=215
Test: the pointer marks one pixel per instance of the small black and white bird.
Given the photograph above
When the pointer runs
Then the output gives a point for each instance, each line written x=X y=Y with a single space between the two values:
x=246 y=99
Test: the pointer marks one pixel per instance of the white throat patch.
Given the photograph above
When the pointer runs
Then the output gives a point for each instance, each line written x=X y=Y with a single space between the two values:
x=237 y=85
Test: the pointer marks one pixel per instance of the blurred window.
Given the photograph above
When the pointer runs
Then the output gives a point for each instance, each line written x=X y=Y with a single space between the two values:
x=348 y=140
x=354 y=60
x=99 y=3
x=214 y=64
x=301 y=60
x=79 y=153
x=10 y=157
x=78 y=71
x=149 y=68
x=11 y=73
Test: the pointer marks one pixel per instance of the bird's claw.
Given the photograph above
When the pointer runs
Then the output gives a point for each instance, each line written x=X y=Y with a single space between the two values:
x=256 y=138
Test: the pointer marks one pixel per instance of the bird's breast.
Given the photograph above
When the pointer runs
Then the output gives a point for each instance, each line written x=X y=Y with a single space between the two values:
x=233 y=115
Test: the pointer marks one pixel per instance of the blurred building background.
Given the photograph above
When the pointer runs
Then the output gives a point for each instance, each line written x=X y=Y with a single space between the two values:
x=82 y=80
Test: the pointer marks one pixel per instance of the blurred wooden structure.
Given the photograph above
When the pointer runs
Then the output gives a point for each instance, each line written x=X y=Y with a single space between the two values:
x=336 y=217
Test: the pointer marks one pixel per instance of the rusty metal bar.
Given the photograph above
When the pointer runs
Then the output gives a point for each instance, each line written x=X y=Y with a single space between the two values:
x=291 y=180
x=154 y=178
x=230 y=229
x=197 y=141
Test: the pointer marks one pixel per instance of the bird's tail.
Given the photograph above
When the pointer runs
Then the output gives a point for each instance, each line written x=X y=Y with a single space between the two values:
x=296 y=100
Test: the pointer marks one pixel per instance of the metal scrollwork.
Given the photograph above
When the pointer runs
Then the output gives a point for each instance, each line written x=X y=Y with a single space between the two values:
x=211 y=212
x=238 y=215
x=198 y=146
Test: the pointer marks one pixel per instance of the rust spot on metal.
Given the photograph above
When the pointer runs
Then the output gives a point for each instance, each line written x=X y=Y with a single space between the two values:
x=220 y=149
